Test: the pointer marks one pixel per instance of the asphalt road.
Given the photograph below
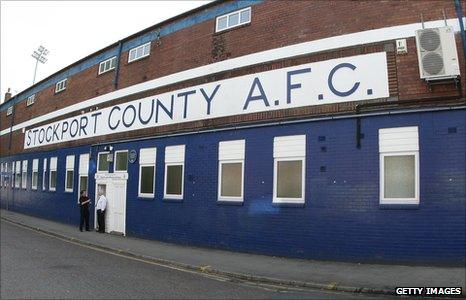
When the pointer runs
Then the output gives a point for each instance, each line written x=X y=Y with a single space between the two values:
x=35 y=265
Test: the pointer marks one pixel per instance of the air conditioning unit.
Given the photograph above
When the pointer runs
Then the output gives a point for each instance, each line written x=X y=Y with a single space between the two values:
x=437 y=54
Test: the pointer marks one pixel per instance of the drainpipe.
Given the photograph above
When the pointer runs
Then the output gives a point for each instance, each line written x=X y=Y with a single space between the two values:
x=459 y=14
x=117 y=69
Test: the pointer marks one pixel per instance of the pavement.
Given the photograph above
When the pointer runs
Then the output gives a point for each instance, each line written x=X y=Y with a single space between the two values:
x=259 y=269
x=35 y=265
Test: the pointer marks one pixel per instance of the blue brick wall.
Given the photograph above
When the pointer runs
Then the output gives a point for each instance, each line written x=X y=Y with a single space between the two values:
x=341 y=219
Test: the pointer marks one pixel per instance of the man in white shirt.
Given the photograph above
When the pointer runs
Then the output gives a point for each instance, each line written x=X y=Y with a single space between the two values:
x=101 y=207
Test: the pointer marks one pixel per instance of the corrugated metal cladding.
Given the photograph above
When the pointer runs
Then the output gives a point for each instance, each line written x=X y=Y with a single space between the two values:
x=83 y=163
x=231 y=150
x=399 y=139
x=300 y=169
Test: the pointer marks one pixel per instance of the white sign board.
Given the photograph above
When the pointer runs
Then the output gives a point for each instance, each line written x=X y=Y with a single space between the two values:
x=346 y=79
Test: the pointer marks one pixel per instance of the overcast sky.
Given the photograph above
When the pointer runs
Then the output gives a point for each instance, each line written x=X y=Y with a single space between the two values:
x=70 y=30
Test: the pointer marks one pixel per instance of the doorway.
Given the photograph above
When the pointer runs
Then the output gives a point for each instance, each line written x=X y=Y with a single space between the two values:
x=113 y=187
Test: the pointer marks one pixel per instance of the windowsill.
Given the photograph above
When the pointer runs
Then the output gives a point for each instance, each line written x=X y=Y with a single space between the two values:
x=68 y=192
x=146 y=196
x=288 y=202
x=230 y=201
x=399 y=206
x=172 y=199
x=399 y=201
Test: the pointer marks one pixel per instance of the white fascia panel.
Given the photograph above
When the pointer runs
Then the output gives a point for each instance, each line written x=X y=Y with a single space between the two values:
x=336 y=42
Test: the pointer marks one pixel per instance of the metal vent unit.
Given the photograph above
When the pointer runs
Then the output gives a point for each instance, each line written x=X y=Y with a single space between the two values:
x=437 y=55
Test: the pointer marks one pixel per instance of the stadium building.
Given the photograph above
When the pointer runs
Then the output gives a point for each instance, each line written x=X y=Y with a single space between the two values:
x=329 y=130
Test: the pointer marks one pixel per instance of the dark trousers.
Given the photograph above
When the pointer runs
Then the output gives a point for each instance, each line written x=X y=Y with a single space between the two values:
x=101 y=220
x=84 y=218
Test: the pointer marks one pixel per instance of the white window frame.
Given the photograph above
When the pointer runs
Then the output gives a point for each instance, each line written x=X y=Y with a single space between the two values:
x=98 y=160
x=135 y=49
x=1 y=175
x=35 y=169
x=231 y=155
x=5 y=174
x=13 y=175
x=173 y=163
x=30 y=100
x=111 y=65
x=149 y=164
x=44 y=174
x=228 y=18
x=414 y=200
x=303 y=180
x=50 y=174
x=61 y=85
x=400 y=143
x=24 y=174
x=83 y=171
x=69 y=168
x=8 y=175
x=9 y=111
x=290 y=157
x=230 y=198
x=173 y=196
x=115 y=162
x=17 y=174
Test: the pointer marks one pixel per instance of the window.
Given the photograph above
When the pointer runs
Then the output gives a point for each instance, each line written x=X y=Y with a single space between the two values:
x=61 y=85
x=9 y=110
x=147 y=158
x=399 y=165
x=231 y=170
x=24 y=177
x=102 y=162
x=121 y=161
x=30 y=100
x=139 y=52
x=69 y=175
x=233 y=19
x=44 y=177
x=13 y=174
x=18 y=174
x=4 y=179
x=174 y=172
x=53 y=174
x=289 y=154
x=35 y=173
x=9 y=171
x=1 y=175
x=83 y=172
x=107 y=65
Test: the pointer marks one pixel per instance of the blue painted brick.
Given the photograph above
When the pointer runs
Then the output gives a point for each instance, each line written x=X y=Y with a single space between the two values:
x=341 y=219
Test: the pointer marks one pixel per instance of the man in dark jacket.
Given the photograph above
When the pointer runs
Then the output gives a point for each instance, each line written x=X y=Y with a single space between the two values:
x=84 y=202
